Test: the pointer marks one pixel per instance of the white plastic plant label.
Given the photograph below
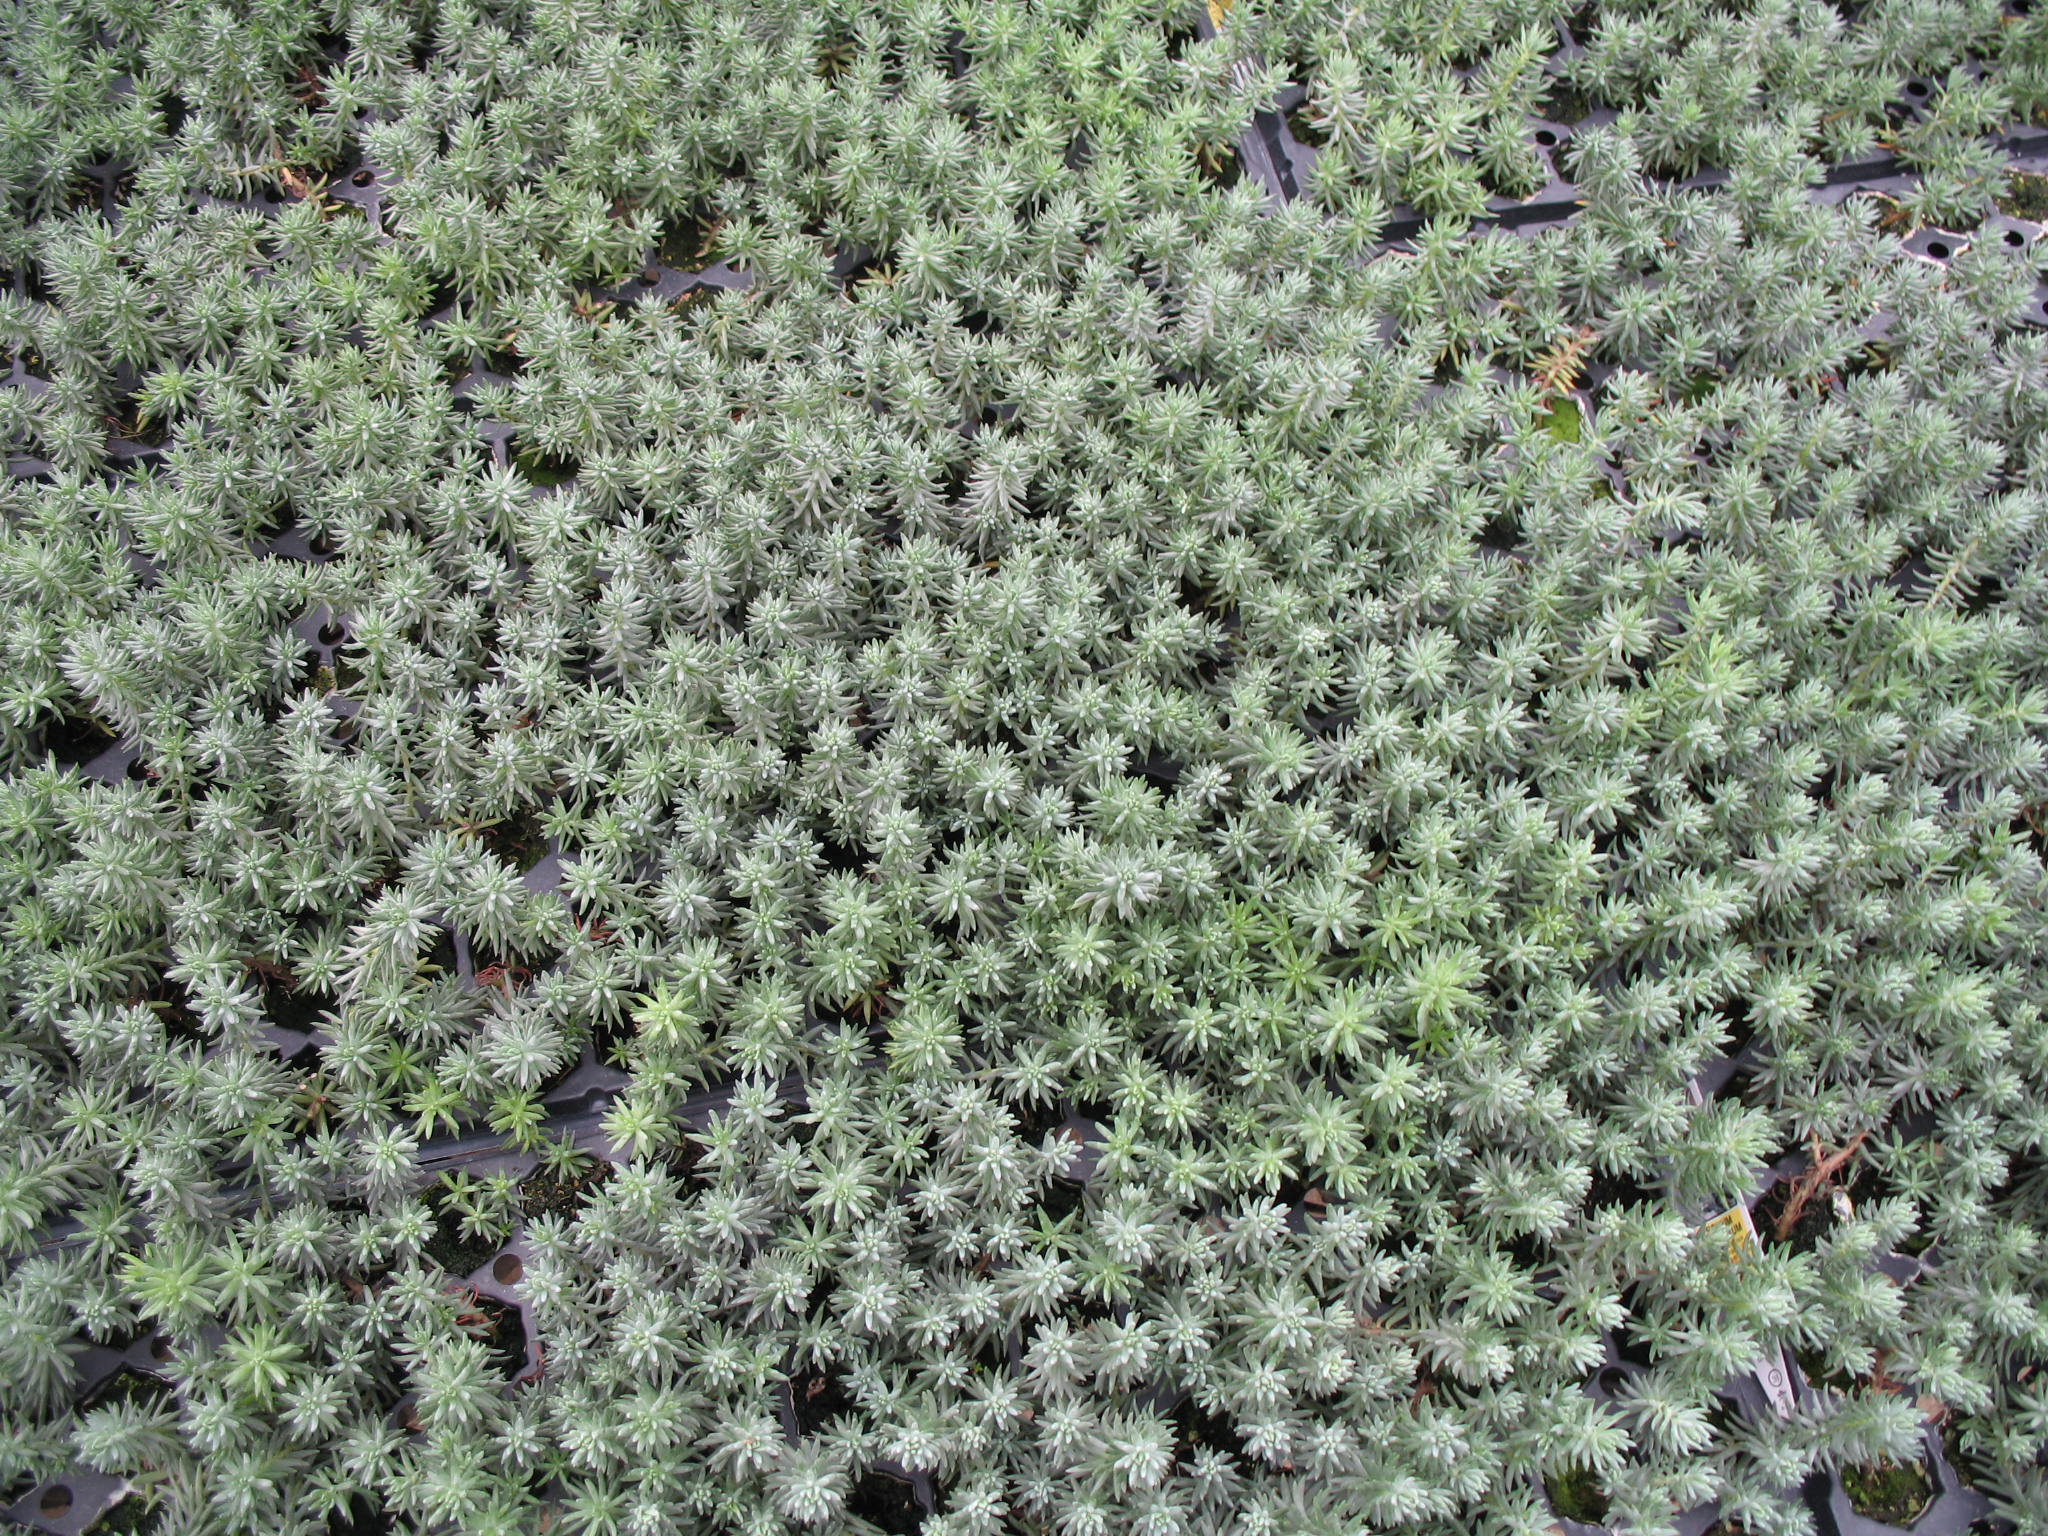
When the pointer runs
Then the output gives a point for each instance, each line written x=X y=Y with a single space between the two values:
x=1737 y=1227
x=1776 y=1381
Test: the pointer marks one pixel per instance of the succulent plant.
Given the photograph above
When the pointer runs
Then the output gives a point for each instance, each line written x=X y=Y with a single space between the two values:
x=1062 y=846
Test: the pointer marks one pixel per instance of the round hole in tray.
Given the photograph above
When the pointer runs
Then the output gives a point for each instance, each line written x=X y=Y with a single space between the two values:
x=363 y=177
x=1938 y=249
x=1916 y=87
x=2014 y=237
x=509 y=1269
x=331 y=633
x=160 y=1347
x=1545 y=137
x=1611 y=1379
x=55 y=1503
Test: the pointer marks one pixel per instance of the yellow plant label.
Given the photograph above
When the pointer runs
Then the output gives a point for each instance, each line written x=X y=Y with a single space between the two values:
x=1739 y=1230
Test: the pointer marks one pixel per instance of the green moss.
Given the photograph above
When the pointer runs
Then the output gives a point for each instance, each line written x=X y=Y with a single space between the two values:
x=1301 y=123
x=132 y=1516
x=1576 y=1494
x=2026 y=196
x=1698 y=386
x=1566 y=104
x=1887 y=1491
x=1562 y=421
x=682 y=243
x=128 y=1386
x=545 y=469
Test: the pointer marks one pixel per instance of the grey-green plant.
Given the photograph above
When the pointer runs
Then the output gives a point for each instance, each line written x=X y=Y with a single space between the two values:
x=1014 y=825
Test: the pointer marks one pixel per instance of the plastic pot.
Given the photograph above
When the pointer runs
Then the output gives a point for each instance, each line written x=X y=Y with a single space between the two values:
x=2003 y=229
x=1749 y=1391
x=67 y=1505
x=324 y=631
x=545 y=875
x=917 y=1484
x=1950 y=1508
x=292 y=544
x=1715 y=1077
x=1900 y=1268
x=1275 y=157
x=367 y=187
x=666 y=284
x=1936 y=246
x=127 y=452
x=590 y=1086
x=1269 y=153
x=1609 y=1381
x=116 y=765
x=152 y=1354
x=499 y=1280
x=1086 y=1135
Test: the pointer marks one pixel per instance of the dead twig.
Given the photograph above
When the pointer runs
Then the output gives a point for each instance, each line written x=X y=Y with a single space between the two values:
x=1819 y=1173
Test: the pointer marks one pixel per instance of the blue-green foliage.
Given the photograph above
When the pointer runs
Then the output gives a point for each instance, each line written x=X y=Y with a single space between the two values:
x=1114 y=677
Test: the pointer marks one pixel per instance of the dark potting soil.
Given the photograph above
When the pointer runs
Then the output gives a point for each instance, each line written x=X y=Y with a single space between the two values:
x=504 y=1334
x=819 y=1397
x=1195 y=1428
x=75 y=739
x=448 y=1247
x=541 y=1193
x=890 y=1503
x=1818 y=1218
x=517 y=839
